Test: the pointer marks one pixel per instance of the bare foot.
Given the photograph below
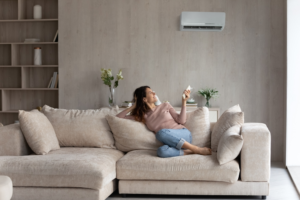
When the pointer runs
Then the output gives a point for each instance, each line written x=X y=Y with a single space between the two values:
x=203 y=151
x=188 y=151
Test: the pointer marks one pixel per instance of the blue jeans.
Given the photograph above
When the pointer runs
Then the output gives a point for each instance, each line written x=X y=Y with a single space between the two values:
x=173 y=140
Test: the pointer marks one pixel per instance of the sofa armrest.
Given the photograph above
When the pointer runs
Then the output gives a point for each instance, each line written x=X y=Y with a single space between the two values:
x=256 y=152
x=12 y=142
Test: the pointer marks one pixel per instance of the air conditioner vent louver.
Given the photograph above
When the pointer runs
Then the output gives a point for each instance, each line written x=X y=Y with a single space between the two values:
x=202 y=21
x=203 y=27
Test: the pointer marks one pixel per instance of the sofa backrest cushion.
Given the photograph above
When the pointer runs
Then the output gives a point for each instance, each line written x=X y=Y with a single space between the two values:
x=38 y=132
x=230 y=145
x=197 y=122
x=230 y=117
x=81 y=128
x=132 y=135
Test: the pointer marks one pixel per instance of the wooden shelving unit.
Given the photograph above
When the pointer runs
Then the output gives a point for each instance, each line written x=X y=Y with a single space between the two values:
x=23 y=86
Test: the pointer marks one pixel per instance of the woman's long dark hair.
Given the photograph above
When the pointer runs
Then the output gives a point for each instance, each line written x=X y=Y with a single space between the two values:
x=141 y=107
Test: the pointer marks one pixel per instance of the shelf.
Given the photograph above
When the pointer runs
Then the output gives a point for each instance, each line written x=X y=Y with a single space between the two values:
x=23 y=86
x=8 y=10
x=17 y=32
x=8 y=118
x=36 y=66
x=49 y=8
x=35 y=77
x=20 y=89
x=28 y=20
x=5 y=54
x=10 y=111
x=10 y=77
x=23 y=54
x=28 y=99
x=27 y=43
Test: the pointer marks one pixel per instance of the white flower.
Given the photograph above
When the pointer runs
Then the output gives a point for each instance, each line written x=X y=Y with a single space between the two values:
x=119 y=75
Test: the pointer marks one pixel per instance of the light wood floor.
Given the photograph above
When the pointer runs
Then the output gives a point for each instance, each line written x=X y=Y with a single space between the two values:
x=281 y=188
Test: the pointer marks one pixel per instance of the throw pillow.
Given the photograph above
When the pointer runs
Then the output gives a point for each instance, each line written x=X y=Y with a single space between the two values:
x=230 y=145
x=81 y=128
x=197 y=122
x=231 y=117
x=132 y=135
x=38 y=132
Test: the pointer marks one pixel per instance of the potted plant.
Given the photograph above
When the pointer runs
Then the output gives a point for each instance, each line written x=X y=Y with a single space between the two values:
x=107 y=77
x=208 y=94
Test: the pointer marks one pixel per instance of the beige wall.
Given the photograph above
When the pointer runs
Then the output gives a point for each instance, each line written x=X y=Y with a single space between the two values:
x=245 y=62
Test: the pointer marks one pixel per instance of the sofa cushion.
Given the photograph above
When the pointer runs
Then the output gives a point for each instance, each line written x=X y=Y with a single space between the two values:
x=146 y=165
x=230 y=117
x=38 y=131
x=131 y=135
x=230 y=145
x=197 y=122
x=81 y=128
x=67 y=167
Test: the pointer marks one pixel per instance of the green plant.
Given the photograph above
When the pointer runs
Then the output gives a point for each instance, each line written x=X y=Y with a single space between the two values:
x=107 y=77
x=208 y=94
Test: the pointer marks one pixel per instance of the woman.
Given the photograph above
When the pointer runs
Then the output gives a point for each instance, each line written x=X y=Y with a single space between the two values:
x=165 y=122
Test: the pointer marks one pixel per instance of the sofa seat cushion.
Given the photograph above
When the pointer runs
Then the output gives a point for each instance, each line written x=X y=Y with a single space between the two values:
x=67 y=167
x=146 y=165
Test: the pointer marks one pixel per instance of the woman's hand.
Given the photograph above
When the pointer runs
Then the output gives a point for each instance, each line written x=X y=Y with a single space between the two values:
x=133 y=105
x=187 y=94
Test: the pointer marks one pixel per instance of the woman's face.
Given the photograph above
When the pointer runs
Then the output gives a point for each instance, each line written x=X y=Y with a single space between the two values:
x=150 y=96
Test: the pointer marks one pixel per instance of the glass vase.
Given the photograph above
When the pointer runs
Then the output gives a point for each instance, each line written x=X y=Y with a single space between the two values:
x=112 y=97
x=207 y=104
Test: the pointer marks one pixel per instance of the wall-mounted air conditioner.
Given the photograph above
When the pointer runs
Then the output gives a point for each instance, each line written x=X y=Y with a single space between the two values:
x=202 y=21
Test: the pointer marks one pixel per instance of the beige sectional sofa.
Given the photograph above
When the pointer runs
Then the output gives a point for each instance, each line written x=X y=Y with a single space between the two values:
x=76 y=173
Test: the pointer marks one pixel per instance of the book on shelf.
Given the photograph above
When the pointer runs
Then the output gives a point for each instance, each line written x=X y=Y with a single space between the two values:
x=53 y=81
x=191 y=105
x=56 y=81
x=56 y=37
x=31 y=40
x=50 y=82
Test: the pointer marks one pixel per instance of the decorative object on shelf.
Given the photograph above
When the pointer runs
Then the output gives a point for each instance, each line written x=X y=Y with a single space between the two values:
x=126 y=104
x=37 y=12
x=39 y=108
x=158 y=101
x=191 y=103
x=31 y=40
x=1 y=125
x=208 y=94
x=107 y=77
x=37 y=56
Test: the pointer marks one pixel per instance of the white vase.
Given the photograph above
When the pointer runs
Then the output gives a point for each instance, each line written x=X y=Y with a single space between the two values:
x=37 y=56
x=37 y=12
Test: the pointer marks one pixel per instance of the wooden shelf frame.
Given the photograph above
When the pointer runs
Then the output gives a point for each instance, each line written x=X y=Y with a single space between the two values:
x=23 y=85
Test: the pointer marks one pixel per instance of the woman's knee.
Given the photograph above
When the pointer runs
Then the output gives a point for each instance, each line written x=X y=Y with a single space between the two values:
x=163 y=151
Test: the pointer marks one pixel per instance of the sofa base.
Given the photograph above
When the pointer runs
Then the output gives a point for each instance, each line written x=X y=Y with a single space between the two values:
x=38 y=193
x=193 y=187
